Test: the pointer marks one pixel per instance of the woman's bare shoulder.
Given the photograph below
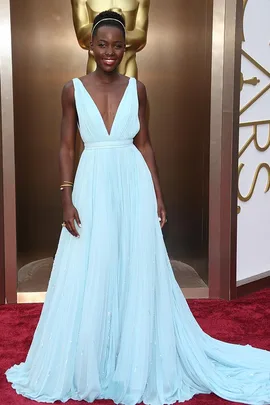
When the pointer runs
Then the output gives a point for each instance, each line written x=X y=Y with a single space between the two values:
x=68 y=91
x=141 y=90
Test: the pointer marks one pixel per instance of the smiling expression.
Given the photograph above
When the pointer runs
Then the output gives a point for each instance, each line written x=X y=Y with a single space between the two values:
x=108 y=47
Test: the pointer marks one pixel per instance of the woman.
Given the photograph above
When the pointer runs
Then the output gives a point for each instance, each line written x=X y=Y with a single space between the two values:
x=115 y=324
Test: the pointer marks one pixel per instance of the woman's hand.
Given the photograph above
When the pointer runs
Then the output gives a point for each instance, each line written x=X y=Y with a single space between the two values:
x=70 y=215
x=161 y=212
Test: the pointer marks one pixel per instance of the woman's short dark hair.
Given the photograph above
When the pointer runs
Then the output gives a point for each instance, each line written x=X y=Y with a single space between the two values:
x=111 y=19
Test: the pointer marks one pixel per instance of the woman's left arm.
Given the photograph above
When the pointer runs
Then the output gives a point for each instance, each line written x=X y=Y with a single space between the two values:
x=143 y=143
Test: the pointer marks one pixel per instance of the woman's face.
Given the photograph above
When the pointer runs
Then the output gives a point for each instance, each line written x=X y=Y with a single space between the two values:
x=108 y=47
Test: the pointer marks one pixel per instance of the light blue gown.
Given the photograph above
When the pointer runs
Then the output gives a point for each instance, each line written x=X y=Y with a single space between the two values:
x=115 y=324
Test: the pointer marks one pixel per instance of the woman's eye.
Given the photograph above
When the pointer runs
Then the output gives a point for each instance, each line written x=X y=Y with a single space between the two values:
x=118 y=46
x=101 y=45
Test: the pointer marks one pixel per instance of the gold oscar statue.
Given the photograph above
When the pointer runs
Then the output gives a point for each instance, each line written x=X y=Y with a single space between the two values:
x=135 y=13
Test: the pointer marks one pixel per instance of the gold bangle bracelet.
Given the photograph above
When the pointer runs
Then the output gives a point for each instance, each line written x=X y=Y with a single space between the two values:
x=67 y=182
x=65 y=185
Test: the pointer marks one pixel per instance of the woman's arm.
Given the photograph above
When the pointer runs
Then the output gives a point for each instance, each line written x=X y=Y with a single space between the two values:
x=143 y=143
x=66 y=156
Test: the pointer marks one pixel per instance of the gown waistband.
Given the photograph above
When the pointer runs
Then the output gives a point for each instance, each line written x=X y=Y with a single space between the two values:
x=108 y=144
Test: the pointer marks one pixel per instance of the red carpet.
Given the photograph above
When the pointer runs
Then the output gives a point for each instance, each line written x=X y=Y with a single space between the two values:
x=245 y=321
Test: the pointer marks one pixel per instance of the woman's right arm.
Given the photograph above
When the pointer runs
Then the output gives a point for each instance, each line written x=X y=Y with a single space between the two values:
x=66 y=157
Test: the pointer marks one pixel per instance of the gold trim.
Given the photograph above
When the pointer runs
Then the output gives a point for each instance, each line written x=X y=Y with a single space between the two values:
x=254 y=138
x=250 y=123
x=253 y=81
x=263 y=70
x=255 y=63
x=244 y=9
x=253 y=100
x=255 y=178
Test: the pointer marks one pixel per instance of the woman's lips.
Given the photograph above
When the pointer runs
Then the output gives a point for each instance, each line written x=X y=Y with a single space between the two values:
x=109 y=62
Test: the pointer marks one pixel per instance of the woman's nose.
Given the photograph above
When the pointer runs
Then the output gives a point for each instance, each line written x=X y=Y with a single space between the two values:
x=109 y=50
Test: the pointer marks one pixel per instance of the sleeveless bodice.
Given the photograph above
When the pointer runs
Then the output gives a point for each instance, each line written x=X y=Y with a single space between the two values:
x=126 y=123
x=115 y=324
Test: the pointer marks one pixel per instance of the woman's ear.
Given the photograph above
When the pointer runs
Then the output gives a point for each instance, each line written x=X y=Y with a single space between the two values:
x=91 y=48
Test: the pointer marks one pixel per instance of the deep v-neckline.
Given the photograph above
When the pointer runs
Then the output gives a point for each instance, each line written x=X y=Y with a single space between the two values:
x=99 y=113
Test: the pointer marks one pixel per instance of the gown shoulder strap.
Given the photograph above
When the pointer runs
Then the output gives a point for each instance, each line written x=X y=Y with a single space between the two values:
x=75 y=82
x=77 y=89
x=134 y=88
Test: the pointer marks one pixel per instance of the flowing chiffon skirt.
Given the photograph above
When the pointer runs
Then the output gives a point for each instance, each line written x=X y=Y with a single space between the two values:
x=115 y=324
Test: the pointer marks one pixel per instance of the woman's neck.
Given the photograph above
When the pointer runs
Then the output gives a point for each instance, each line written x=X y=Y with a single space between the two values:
x=105 y=78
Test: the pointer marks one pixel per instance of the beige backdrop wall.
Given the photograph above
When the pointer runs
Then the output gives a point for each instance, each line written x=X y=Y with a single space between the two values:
x=175 y=66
